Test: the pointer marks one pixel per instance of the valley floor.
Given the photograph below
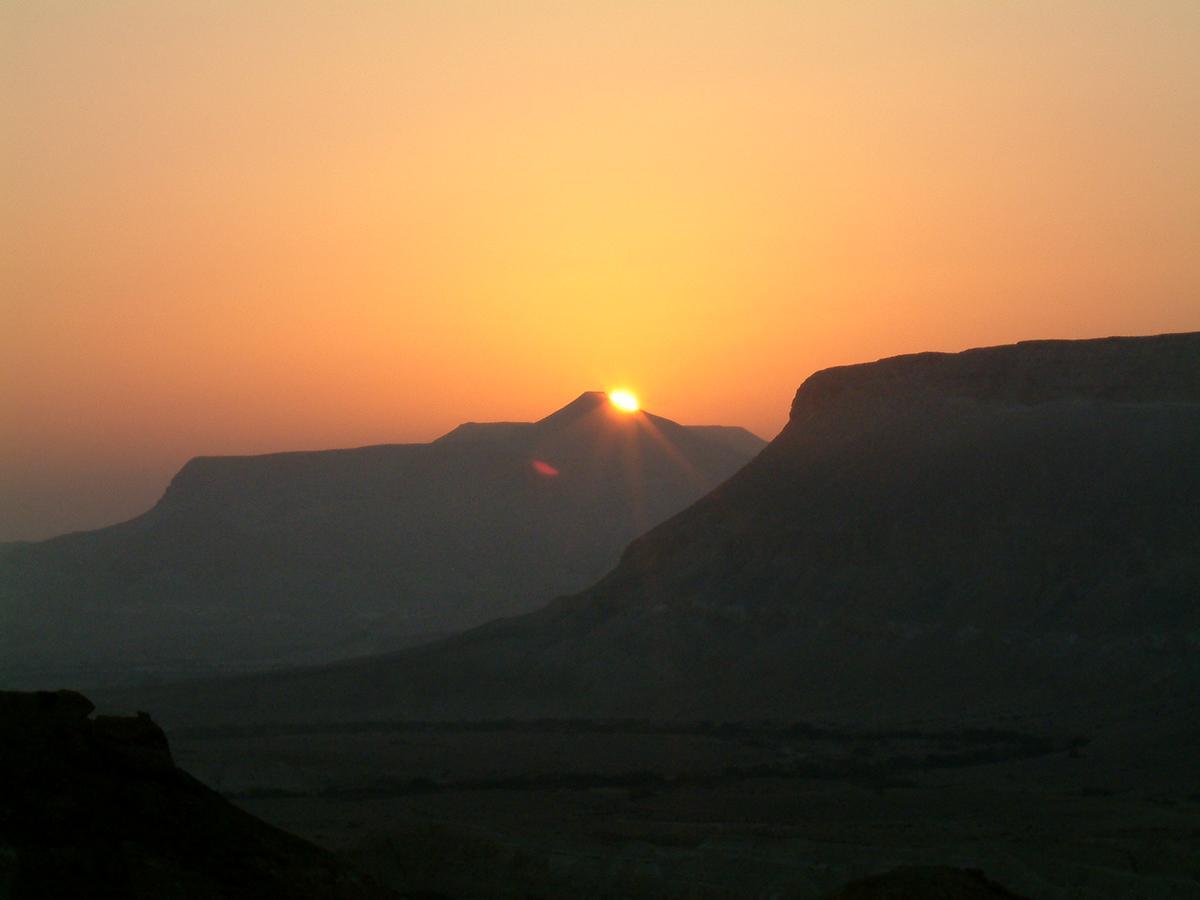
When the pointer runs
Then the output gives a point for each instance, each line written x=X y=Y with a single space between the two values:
x=635 y=809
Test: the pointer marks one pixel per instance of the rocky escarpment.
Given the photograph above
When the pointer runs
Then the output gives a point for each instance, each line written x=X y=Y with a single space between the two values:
x=95 y=807
x=972 y=485
x=1002 y=531
x=1160 y=369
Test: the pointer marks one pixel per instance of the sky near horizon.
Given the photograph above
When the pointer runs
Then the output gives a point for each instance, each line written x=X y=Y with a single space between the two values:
x=240 y=227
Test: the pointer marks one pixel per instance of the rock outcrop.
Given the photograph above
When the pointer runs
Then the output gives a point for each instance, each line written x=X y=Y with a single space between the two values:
x=924 y=883
x=95 y=807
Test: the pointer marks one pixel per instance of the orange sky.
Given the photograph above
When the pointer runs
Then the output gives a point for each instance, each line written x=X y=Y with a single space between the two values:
x=239 y=227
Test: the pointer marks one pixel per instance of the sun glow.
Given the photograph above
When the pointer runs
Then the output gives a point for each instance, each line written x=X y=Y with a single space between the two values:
x=625 y=401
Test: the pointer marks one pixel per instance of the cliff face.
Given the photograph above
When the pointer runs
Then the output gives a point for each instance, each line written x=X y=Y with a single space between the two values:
x=1159 y=369
x=1047 y=485
x=96 y=808
x=1009 y=529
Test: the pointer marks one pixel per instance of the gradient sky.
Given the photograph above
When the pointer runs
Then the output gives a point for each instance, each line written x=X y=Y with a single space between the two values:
x=250 y=226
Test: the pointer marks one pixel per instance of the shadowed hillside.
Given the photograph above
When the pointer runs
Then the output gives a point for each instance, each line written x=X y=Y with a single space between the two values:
x=1013 y=529
x=97 y=808
x=928 y=883
x=254 y=561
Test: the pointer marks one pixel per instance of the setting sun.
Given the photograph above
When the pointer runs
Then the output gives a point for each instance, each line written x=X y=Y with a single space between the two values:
x=625 y=401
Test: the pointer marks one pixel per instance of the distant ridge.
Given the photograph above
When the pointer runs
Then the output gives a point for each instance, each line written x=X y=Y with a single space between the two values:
x=1006 y=531
x=258 y=561
x=484 y=431
x=587 y=404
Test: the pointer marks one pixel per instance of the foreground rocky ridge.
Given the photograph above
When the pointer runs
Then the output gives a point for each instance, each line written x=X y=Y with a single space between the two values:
x=924 y=883
x=95 y=807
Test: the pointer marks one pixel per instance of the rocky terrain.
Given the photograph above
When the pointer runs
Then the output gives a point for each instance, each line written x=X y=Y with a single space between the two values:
x=947 y=621
x=557 y=808
x=1013 y=530
x=253 y=562
x=924 y=883
x=95 y=807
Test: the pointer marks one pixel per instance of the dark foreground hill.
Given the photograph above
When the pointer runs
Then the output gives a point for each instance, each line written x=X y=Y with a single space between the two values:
x=253 y=561
x=924 y=883
x=1012 y=529
x=97 y=808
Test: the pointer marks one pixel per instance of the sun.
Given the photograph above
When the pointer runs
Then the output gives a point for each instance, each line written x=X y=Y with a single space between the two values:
x=626 y=401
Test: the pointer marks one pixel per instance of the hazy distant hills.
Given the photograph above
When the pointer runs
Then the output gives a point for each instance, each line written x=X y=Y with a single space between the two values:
x=1011 y=529
x=250 y=561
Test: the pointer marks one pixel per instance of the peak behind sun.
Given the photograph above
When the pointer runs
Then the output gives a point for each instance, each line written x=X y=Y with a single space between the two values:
x=626 y=401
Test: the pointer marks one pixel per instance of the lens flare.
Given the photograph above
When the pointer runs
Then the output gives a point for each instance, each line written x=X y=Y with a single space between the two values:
x=544 y=468
x=625 y=401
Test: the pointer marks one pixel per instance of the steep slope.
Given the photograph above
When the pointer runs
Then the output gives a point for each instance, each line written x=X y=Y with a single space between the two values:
x=97 y=808
x=1010 y=529
x=253 y=561
x=924 y=883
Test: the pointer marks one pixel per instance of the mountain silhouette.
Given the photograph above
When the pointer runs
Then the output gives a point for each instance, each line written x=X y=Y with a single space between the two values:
x=1005 y=530
x=297 y=557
